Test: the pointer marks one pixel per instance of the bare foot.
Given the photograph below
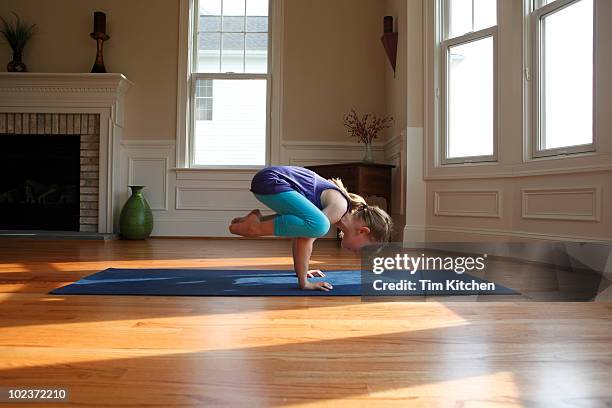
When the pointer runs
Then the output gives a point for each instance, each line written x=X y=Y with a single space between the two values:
x=247 y=226
x=241 y=219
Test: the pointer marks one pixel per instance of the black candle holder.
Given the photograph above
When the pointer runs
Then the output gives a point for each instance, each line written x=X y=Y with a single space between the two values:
x=98 y=66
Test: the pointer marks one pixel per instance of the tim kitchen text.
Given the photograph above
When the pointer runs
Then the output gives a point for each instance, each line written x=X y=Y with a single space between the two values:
x=426 y=284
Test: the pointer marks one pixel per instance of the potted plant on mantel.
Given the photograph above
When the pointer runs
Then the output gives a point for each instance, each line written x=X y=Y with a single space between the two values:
x=365 y=129
x=17 y=35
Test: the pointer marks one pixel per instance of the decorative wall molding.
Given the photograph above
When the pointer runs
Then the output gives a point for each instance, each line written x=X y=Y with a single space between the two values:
x=466 y=203
x=53 y=94
x=215 y=199
x=596 y=168
x=566 y=203
x=307 y=153
x=149 y=143
x=224 y=175
x=41 y=82
x=329 y=145
x=465 y=234
x=157 y=186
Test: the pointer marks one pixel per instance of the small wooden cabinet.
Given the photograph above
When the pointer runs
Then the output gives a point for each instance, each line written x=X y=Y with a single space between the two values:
x=363 y=178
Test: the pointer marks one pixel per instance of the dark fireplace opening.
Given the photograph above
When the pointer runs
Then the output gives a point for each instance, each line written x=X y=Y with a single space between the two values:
x=39 y=182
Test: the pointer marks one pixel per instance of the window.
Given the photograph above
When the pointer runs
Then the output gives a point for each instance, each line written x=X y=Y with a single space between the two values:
x=563 y=61
x=232 y=59
x=469 y=81
x=204 y=100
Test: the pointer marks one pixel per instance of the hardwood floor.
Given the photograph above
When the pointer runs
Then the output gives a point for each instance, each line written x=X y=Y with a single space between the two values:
x=156 y=351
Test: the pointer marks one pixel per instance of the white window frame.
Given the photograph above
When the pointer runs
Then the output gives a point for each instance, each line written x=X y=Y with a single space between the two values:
x=443 y=24
x=187 y=77
x=535 y=10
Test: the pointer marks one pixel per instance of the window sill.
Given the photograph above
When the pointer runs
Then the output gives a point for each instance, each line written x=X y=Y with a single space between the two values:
x=564 y=155
x=468 y=164
x=216 y=168
x=216 y=173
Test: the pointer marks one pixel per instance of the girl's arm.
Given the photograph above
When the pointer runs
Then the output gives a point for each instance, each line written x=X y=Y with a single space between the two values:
x=302 y=249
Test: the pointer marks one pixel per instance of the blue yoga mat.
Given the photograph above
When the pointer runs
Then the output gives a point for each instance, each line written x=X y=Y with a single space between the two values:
x=220 y=282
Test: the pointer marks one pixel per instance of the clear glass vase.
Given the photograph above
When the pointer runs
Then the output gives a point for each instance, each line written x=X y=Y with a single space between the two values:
x=368 y=158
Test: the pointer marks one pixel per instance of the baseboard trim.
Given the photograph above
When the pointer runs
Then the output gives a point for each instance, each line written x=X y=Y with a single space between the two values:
x=508 y=234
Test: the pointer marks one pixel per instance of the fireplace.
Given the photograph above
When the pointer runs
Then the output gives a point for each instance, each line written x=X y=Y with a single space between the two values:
x=49 y=181
x=60 y=136
x=39 y=186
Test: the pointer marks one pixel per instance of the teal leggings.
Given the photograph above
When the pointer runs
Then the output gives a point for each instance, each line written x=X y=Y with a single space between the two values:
x=297 y=216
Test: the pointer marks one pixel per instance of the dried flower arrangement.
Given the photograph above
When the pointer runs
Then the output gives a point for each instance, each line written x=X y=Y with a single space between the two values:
x=365 y=128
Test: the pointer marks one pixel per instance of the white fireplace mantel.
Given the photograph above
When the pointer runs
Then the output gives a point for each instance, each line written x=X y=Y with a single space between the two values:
x=101 y=94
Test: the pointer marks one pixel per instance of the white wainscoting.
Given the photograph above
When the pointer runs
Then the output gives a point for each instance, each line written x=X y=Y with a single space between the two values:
x=312 y=153
x=468 y=203
x=147 y=163
x=215 y=199
x=198 y=202
x=151 y=172
x=443 y=233
x=568 y=203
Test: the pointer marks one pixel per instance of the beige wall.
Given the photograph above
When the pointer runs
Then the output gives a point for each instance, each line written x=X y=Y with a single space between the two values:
x=143 y=46
x=404 y=92
x=332 y=53
x=333 y=61
x=395 y=85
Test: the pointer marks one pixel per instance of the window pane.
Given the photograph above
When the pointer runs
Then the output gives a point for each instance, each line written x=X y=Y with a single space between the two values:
x=460 y=18
x=232 y=57
x=257 y=7
x=257 y=24
x=237 y=133
x=485 y=14
x=233 y=24
x=257 y=16
x=210 y=23
x=233 y=8
x=203 y=109
x=208 y=88
x=470 y=99
x=209 y=52
x=568 y=76
x=210 y=7
x=257 y=53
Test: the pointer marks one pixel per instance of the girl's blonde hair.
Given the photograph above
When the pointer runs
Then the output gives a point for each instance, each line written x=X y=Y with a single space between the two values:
x=377 y=219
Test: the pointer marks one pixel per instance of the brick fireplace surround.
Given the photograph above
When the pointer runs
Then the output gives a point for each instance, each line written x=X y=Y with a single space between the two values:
x=88 y=105
x=87 y=126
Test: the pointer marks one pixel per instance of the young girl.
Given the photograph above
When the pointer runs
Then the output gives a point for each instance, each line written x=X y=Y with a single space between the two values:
x=306 y=205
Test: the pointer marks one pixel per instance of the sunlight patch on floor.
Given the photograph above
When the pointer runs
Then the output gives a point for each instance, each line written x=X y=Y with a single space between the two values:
x=239 y=331
x=497 y=389
x=229 y=263
x=13 y=267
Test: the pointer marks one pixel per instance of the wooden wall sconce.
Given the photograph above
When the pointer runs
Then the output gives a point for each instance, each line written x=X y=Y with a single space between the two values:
x=389 y=40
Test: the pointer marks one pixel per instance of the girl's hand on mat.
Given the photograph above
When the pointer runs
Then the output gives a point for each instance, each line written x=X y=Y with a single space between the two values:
x=315 y=273
x=318 y=286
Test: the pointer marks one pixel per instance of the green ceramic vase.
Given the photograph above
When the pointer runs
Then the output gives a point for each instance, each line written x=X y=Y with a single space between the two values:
x=136 y=219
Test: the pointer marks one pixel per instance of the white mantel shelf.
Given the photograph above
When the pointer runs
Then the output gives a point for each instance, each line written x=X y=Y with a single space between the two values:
x=56 y=91
x=48 y=81
x=69 y=93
